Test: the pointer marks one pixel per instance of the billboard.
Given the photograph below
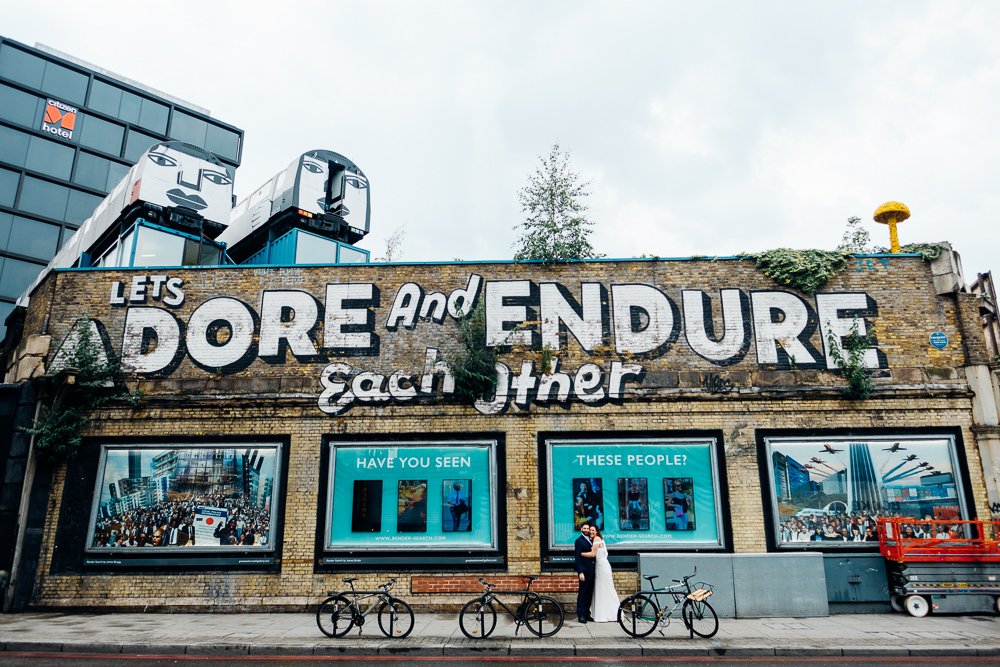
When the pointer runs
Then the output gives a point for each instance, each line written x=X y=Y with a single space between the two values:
x=648 y=494
x=169 y=499
x=392 y=496
x=830 y=492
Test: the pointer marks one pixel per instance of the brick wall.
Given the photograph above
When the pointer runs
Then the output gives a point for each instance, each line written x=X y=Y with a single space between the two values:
x=923 y=388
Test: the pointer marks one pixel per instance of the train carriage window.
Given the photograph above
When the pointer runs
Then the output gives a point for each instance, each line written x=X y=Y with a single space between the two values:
x=43 y=198
x=65 y=84
x=49 y=157
x=105 y=98
x=33 y=238
x=188 y=128
x=8 y=187
x=20 y=107
x=100 y=134
x=156 y=248
x=22 y=67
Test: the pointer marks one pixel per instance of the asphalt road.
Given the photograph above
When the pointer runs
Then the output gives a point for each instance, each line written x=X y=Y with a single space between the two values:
x=118 y=659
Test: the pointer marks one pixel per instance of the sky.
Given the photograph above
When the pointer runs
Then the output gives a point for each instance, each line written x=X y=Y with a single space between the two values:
x=704 y=128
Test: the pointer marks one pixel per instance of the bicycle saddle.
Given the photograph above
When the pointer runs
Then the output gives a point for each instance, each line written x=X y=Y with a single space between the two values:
x=650 y=577
x=348 y=580
x=531 y=577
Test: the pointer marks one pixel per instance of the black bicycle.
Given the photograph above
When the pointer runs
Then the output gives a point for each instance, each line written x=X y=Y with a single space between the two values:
x=542 y=615
x=342 y=611
x=640 y=614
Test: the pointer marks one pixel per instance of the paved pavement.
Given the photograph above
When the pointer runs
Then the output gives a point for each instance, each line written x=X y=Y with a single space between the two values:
x=438 y=634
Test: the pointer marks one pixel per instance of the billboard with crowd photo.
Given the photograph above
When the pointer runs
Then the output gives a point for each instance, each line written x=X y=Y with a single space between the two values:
x=830 y=491
x=192 y=498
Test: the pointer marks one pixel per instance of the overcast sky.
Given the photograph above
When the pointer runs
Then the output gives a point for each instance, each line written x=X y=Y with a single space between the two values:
x=703 y=128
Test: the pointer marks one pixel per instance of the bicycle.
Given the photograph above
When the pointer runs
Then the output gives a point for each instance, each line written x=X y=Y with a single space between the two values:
x=641 y=613
x=342 y=611
x=542 y=615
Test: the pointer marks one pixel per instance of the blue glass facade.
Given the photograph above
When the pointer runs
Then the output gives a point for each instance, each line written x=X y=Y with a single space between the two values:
x=68 y=134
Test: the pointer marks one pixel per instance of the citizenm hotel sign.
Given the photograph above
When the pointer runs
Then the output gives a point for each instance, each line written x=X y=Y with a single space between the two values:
x=59 y=119
x=368 y=342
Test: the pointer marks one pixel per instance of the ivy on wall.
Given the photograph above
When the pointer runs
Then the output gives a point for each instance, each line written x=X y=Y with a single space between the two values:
x=91 y=382
x=474 y=368
x=860 y=384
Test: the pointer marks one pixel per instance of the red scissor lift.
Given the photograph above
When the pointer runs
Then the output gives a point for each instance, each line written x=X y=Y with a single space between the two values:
x=941 y=564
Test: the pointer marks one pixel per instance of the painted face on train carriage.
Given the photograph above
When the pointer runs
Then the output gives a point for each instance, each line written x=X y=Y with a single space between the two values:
x=313 y=176
x=171 y=177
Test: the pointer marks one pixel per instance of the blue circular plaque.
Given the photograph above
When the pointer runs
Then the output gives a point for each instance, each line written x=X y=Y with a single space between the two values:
x=939 y=340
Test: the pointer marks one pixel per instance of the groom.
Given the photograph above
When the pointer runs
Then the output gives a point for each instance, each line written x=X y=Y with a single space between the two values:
x=586 y=561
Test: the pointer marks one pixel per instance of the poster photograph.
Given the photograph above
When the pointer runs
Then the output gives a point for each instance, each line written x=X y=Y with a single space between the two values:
x=411 y=506
x=456 y=516
x=831 y=491
x=642 y=494
x=633 y=503
x=388 y=497
x=678 y=501
x=588 y=502
x=190 y=498
x=366 y=516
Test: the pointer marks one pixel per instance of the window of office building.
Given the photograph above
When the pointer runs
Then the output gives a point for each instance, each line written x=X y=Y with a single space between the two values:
x=153 y=116
x=16 y=276
x=30 y=70
x=20 y=66
x=98 y=172
x=13 y=146
x=105 y=98
x=129 y=107
x=80 y=206
x=64 y=83
x=222 y=142
x=100 y=134
x=33 y=238
x=136 y=143
x=20 y=107
x=49 y=157
x=188 y=128
x=43 y=198
x=8 y=187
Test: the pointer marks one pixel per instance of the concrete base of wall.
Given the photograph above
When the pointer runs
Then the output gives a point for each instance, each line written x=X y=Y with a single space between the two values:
x=749 y=585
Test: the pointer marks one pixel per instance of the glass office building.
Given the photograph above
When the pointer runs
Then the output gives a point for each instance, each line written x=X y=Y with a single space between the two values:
x=68 y=133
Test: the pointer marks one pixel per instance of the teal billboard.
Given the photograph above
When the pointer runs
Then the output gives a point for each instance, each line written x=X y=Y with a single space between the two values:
x=388 y=496
x=652 y=494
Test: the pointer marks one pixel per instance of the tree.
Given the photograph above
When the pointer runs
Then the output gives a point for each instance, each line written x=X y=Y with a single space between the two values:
x=856 y=238
x=555 y=227
x=393 y=246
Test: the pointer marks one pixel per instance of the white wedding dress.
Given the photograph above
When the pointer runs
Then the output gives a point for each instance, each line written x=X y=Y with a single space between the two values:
x=604 y=607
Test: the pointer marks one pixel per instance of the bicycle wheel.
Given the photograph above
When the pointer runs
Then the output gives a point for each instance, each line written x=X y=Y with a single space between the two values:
x=700 y=618
x=395 y=618
x=638 y=615
x=478 y=619
x=335 y=616
x=543 y=616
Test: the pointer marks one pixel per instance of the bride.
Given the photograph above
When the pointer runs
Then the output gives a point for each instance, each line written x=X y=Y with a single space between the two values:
x=604 y=607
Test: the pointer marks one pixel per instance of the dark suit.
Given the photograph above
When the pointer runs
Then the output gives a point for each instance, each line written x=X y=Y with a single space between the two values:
x=584 y=565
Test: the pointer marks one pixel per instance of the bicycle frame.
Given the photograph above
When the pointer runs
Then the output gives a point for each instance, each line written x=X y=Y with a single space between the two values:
x=526 y=597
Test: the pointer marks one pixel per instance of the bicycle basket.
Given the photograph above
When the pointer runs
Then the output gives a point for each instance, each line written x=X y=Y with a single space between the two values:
x=701 y=592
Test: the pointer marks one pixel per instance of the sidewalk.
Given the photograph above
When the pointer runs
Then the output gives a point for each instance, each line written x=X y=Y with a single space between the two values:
x=438 y=634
